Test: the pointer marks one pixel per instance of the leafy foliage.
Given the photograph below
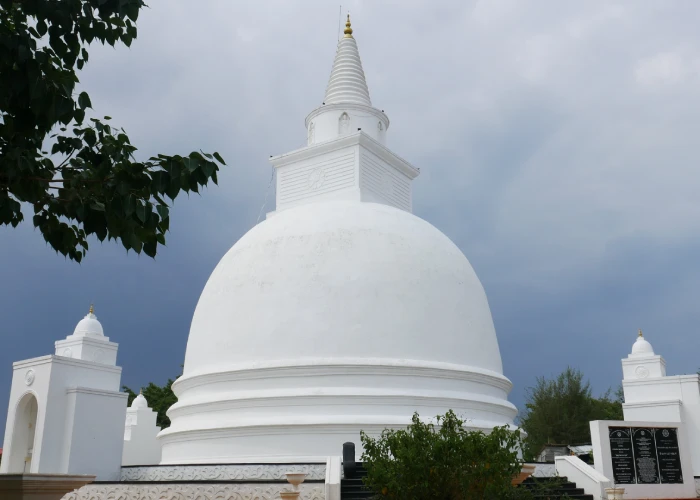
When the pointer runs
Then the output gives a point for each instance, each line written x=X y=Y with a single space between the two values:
x=443 y=462
x=558 y=411
x=96 y=186
x=159 y=398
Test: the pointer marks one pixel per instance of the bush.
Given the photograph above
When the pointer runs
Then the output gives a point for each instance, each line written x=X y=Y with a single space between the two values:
x=443 y=462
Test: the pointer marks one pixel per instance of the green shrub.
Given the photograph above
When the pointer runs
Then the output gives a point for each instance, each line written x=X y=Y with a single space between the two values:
x=442 y=462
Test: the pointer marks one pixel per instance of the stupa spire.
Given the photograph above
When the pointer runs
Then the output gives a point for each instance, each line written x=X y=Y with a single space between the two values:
x=347 y=82
x=348 y=28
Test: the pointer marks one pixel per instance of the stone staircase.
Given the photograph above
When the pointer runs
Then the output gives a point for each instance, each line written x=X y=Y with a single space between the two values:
x=554 y=488
x=352 y=488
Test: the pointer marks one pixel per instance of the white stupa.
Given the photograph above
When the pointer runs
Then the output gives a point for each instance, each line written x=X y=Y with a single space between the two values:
x=341 y=312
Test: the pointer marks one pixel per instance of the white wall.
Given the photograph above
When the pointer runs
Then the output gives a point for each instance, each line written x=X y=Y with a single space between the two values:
x=141 y=445
x=79 y=419
x=667 y=399
x=97 y=430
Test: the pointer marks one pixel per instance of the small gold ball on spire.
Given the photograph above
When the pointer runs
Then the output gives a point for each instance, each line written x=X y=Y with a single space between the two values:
x=92 y=309
x=640 y=333
x=348 y=29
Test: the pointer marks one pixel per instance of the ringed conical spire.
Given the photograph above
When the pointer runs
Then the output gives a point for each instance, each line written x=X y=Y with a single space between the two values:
x=347 y=82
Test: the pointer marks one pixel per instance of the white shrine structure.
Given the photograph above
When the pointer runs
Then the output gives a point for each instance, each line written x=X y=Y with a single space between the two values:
x=66 y=414
x=141 y=446
x=651 y=395
x=341 y=312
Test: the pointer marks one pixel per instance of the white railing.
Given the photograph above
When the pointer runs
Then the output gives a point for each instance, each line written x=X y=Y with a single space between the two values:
x=585 y=476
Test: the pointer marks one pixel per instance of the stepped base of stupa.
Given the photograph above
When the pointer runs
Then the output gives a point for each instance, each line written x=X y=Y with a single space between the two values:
x=211 y=482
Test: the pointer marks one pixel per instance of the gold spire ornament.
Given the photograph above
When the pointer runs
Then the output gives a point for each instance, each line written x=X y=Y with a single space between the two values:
x=640 y=333
x=348 y=29
x=92 y=309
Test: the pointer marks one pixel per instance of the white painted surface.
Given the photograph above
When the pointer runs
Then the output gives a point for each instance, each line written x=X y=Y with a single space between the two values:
x=327 y=319
x=141 y=446
x=585 y=476
x=346 y=107
x=354 y=167
x=347 y=82
x=79 y=424
x=650 y=395
x=333 y=476
x=600 y=437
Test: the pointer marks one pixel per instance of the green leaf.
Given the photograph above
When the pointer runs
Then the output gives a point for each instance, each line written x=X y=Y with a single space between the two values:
x=41 y=27
x=141 y=212
x=84 y=100
x=219 y=158
x=150 y=248
x=90 y=137
x=129 y=205
x=162 y=211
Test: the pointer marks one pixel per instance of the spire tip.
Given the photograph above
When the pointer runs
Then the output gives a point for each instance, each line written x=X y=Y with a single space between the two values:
x=348 y=28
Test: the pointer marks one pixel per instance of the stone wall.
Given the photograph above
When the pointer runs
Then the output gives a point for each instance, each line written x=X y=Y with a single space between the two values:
x=200 y=491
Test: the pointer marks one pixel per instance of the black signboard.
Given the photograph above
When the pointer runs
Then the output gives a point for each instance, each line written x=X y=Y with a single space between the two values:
x=644 y=455
x=645 y=460
x=669 y=456
x=622 y=457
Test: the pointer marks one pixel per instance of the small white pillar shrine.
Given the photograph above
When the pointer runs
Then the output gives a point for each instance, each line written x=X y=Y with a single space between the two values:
x=650 y=395
x=141 y=446
x=66 y=414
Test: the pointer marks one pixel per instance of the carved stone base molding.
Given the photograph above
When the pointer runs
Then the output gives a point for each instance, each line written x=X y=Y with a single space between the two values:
x=226 y=472
x=187 y=491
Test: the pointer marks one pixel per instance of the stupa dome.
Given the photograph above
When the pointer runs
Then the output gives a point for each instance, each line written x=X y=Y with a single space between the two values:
x=89 y=326
x=342 y=279
x=641 y=347
x=340 y=315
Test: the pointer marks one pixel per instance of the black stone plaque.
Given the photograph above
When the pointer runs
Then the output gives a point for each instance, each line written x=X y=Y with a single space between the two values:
x=621 y=453
x=669 y=455
x=645 y=460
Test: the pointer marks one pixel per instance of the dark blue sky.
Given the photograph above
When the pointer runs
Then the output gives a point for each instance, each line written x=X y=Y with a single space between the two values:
x=557 y=144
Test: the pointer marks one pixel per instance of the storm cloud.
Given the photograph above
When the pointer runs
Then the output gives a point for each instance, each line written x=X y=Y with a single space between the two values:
x=557 y=143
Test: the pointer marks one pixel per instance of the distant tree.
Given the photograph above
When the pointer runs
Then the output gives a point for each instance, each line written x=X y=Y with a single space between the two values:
x=558 y=411
x=159 y=398
x=74 y=172
x=608 y=407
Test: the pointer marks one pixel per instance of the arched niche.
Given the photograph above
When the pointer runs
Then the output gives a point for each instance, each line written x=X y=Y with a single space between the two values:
x=343 y=124
x=311 y=134
x=23 y=433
